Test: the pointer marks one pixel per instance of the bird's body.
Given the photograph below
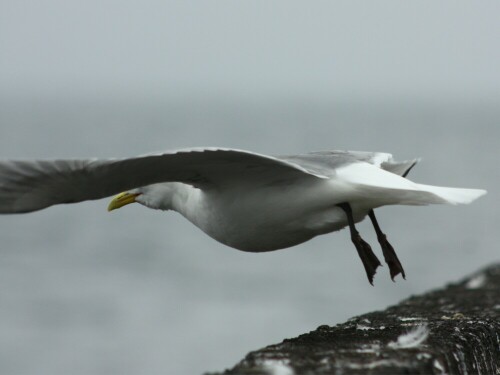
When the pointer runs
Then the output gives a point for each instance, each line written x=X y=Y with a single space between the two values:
x=248 y=201
x=261 y=219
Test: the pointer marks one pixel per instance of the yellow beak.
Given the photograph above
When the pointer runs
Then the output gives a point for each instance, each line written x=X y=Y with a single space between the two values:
x=121 y=200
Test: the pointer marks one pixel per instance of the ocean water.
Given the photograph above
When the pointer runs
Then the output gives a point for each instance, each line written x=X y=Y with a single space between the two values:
x=135 y=291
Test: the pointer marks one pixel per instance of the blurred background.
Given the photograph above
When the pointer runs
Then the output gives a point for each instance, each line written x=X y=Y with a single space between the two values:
x=135 y=291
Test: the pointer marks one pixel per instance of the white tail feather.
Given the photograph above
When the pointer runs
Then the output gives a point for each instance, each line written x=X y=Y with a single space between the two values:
x=386 y=188
x=454 y=195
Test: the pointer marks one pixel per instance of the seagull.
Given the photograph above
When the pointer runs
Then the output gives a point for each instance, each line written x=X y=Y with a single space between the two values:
x=245 y=200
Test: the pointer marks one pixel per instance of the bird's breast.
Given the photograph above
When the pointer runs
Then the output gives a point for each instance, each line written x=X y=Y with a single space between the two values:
x=268 y=218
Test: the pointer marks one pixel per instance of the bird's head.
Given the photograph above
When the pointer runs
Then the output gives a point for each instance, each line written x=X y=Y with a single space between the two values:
x=157 y=196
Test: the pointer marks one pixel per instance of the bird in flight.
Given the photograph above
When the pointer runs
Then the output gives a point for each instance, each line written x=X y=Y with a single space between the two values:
x=245 y=200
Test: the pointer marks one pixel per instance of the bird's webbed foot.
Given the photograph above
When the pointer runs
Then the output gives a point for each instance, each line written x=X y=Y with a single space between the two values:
x=395 y=267
x=368 y=258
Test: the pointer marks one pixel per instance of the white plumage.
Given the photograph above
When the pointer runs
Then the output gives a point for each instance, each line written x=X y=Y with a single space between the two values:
x=245 y=200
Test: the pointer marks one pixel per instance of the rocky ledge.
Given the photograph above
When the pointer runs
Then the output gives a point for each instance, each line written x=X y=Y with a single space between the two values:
x=455 y=330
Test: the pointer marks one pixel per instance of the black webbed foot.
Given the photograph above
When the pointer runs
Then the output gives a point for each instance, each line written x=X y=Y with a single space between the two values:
x=395 y=267
x=369 y=259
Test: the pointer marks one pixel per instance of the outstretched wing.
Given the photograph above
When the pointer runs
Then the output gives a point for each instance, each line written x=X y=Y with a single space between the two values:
x=27 y=186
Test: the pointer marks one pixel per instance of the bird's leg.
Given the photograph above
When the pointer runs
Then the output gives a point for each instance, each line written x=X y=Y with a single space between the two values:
x=390 y=256
x=369 y=259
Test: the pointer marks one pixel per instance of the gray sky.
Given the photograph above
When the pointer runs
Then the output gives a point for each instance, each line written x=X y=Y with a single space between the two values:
x=428 y=48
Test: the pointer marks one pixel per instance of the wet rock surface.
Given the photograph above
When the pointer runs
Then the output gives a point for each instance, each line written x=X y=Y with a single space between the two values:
x=455 y=330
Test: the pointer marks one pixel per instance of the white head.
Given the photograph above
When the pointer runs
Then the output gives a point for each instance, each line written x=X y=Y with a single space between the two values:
x=157 y=196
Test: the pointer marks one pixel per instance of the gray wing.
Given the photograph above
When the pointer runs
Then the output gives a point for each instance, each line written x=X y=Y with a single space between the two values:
x=27 y=186
x=327 y=162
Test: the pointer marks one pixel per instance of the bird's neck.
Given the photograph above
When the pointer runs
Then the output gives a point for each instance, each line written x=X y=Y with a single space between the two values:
x=185 y=199
x=171 y=196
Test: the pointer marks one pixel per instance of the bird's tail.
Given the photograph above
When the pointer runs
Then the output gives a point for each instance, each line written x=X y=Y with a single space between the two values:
x=449 y=195
x=386 y=187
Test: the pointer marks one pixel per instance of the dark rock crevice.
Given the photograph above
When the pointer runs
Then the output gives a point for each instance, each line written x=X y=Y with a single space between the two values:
x=455 y=330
